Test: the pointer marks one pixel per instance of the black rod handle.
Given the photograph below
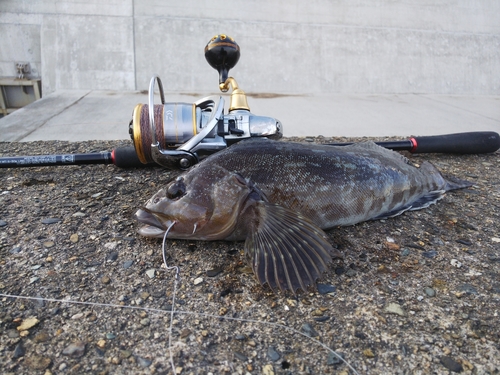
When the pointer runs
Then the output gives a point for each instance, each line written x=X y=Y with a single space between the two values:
x=126 y=157
x=458 y=143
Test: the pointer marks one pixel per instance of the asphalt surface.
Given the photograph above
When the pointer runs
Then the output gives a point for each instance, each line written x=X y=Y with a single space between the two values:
x=81 y=292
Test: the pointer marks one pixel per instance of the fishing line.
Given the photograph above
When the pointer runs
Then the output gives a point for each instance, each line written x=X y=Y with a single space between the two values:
x=176 y=281
x=173 y=311
x=194 y=313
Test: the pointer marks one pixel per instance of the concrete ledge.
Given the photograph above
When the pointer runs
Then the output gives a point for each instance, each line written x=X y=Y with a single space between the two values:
x=105 y=115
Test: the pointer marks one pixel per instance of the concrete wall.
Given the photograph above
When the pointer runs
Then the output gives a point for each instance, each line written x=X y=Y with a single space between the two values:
x=291 y=47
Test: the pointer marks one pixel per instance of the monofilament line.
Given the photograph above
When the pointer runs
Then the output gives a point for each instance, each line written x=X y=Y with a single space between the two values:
x=194 y=313
x=172 y=310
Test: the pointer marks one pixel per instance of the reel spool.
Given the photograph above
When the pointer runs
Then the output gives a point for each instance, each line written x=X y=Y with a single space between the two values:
x=171 y=133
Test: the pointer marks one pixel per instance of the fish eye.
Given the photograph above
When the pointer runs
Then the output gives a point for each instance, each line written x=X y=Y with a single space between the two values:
x=177 y=189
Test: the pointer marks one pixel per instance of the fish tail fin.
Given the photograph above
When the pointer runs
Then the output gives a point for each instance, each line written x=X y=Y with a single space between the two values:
x=451 y=183
x=443 y=183
x=285 y=249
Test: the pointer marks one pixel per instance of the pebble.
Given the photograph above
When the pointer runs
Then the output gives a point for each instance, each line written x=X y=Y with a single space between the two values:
x=334 y=359
x=51 y=220
x=19 y=351
x=110 y=336
x=75 y=349
x=214 y=272
x=48 y=244
x=113 y=256
x=198 y=280
x=12 y=334
x=74 y=238
x=143 y=362
x=111 y=245
x=223 y=311
x=429 y=254
x=78 y=214
x=368 y=353
x=128 y=263
x=151 y=273
x=405 y=252
x=451 y=364
x=322 y=319
x=350 y=272
x=15 y=250
x=430 y=292
x=326 y=288
x=145 y=321
x=317 y=312
x=272 y=354
x=101 y=343
x=455 y=263
x=394 y=308
x=268 y=370
x=105 y=280
x=125 y=353
x=27 y=324
x=3 y=223
x=467 y=288
x=241 y=356
x=308 y=329
x=41 y=337
x=37 y=362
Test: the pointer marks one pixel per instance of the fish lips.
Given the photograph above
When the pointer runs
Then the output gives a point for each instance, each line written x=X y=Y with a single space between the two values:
x=153 y=228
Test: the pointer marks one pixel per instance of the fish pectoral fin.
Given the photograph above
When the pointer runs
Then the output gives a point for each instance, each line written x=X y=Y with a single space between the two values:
x=285 y=249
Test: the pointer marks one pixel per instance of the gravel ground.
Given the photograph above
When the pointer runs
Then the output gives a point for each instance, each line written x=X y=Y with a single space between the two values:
x=416 y=294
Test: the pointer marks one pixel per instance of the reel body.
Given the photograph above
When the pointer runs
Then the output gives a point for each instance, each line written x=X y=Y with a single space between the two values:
x=177 y=135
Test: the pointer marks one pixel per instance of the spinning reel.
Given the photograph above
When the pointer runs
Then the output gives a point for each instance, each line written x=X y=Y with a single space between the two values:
x=177 y=135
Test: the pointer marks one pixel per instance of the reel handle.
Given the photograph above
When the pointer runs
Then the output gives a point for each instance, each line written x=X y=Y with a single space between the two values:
x=222 y=53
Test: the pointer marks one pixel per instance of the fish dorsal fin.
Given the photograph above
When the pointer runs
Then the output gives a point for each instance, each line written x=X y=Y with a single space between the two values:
x=372 y=146
x=285 y=249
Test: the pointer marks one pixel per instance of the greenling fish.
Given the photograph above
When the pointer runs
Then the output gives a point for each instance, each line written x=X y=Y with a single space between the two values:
x=279 y=197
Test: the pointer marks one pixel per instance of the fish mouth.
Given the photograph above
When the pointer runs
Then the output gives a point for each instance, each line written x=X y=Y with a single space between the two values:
x=153 y=226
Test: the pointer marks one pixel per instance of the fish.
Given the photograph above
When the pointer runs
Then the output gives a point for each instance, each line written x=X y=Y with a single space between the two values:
x=280 y=197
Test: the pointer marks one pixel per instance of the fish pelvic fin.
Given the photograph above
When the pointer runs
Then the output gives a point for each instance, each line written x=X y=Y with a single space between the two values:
x=285 y=249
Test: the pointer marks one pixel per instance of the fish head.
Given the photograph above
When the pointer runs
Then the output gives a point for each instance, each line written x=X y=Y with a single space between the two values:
x=202 y=204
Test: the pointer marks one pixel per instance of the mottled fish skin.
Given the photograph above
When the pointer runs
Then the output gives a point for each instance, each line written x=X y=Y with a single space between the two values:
x=334 y=186
x=278 y=196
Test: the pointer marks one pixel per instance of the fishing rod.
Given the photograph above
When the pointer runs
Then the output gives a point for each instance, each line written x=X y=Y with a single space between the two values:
x=179 y=135
x=126 y=156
